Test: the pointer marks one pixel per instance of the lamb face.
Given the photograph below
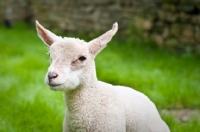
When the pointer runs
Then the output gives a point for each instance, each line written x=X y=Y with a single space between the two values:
x=72 y=60
x=69 y=62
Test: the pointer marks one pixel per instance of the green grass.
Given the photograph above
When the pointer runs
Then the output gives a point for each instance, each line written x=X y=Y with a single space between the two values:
x=169 y=79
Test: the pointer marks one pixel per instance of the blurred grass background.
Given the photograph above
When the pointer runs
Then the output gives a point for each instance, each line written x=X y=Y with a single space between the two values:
x=170 y=79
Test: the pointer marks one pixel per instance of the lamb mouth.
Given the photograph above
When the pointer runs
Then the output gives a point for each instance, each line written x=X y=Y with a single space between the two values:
x=54 y=85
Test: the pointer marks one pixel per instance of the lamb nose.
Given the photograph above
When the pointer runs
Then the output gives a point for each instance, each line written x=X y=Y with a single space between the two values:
x=52 y=75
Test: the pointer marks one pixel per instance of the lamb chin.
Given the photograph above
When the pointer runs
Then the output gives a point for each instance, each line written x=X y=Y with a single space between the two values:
x=55 y=87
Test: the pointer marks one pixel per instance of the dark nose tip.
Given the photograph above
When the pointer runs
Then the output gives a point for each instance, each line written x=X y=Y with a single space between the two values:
x=52 y=75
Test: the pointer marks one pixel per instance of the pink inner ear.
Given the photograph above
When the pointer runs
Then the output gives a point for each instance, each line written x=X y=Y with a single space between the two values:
x=44 y=36
x=96 y=45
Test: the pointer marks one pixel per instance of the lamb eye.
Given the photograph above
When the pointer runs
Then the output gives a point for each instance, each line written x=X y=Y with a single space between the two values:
x=82 y=58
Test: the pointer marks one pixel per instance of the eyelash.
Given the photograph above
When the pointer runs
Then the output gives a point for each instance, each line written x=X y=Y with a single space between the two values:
x=81 y=58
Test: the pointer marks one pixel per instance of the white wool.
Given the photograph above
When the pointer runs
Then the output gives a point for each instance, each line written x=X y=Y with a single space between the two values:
x=92 y=105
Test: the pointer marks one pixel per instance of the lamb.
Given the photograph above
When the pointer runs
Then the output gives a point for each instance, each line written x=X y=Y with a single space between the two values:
x=92 y=105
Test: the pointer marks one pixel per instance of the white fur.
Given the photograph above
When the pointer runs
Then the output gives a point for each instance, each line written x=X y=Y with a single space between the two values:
x=92 y=105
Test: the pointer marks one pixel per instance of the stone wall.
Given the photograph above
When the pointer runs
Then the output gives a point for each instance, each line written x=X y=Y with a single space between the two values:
x=173 y=24
x=168 y=22
x=14 y=10
x=84 y=15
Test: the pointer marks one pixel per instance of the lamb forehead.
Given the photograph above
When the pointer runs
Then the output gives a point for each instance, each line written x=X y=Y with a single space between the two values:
x=71 y=46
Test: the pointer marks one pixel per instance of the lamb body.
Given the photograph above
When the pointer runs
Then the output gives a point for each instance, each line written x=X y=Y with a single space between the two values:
x=92 y=105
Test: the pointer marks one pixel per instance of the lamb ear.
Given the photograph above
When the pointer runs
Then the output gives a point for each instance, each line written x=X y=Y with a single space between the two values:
x=96 y=45
x=47 y=37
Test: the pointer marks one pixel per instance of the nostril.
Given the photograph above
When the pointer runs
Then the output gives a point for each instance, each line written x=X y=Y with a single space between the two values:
x=52 y=75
